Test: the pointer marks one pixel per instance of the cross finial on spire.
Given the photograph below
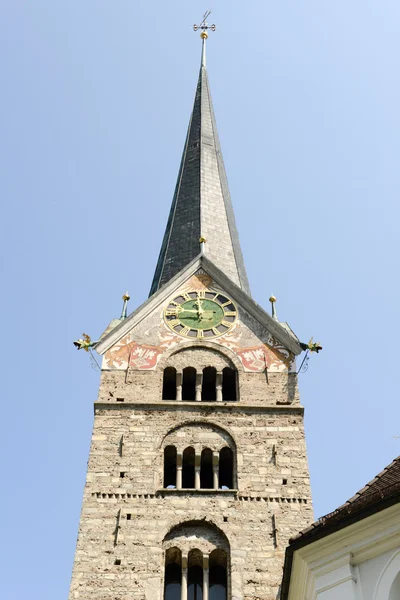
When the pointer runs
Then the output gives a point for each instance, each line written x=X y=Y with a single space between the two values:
x=204 y=26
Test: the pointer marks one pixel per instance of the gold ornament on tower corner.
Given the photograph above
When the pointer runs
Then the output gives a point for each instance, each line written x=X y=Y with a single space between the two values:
x=84 y=343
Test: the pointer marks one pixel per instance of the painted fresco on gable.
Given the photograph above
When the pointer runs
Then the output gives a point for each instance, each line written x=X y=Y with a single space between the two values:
x=142 y=348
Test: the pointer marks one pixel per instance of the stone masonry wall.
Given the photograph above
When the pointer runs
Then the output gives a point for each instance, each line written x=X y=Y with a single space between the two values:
x=146 y=387
x=272 y=501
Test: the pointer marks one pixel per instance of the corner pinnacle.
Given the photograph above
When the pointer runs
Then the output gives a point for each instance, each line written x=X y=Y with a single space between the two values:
x=272 y=299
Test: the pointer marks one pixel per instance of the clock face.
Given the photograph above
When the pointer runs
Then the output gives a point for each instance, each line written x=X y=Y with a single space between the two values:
x=200 y=314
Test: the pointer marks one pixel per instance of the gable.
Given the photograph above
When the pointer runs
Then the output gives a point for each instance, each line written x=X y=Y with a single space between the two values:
x=152 y=338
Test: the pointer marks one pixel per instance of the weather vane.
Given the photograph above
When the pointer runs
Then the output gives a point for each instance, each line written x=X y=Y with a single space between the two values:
x=204 y=26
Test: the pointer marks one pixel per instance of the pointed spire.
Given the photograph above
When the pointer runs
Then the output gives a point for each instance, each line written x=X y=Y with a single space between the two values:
x=201 y=207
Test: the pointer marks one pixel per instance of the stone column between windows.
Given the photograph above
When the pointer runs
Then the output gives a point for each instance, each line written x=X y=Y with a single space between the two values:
x=215 y=465
x=206 y=576
x=197 y=466
x=184 y=583
x=219 y=387
x=179 y=471
x=179 y=379
x=199 y=384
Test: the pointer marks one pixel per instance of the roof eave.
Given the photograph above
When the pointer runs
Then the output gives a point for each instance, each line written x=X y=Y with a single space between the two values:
x=313 y=535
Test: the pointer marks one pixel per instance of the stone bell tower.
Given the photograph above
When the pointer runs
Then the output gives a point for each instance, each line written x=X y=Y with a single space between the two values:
x=197 y=474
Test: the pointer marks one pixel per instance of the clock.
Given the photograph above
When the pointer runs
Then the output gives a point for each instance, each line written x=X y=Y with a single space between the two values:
x=200 y=314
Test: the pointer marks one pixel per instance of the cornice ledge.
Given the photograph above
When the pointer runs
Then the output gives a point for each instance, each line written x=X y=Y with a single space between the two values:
x=199 y=406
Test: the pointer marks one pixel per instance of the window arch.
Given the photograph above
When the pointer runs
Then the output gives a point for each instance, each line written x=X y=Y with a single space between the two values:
x=198 y=455
x=189 y=384
x=202 y=552
x=205 y=372
x=206 y=469
x=170 y=456
x=195 y=575
x=209 y=384
x=229 y=378
x=169 y=384
x=218 y=575
x=173 y=574
x=188 y=460
x=226 y=468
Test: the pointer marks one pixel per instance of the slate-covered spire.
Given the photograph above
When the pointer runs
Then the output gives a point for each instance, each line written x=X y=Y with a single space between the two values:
x=201 y=207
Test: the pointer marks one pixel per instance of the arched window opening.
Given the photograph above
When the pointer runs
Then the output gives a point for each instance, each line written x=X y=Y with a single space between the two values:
x=188 y=468
x=208 y=389
x=206 y=470
x=226 y=468
x=195 y=575
x=204 y=560
x=173 y=574
x=169 y=384
x=229 y=384
x=395 y=589
x=170 y=467
x=218 y=575
x=189 y=384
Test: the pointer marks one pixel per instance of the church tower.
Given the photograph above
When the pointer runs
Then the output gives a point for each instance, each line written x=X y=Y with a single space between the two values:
x=197 y=475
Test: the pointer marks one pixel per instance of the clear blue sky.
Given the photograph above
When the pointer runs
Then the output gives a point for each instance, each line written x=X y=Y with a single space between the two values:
x=96 y=97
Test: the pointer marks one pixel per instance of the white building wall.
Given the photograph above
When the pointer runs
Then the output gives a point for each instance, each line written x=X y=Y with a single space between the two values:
x=375 y=579
x=394 y=593
x=370 y=573
x=360 y=562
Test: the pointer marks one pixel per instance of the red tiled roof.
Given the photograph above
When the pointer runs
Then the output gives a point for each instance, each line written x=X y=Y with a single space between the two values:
x=384 y=486
x=383 y=491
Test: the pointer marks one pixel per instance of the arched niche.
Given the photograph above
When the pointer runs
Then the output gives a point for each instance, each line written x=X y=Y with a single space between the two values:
x=388 y=584
x=394 y=593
